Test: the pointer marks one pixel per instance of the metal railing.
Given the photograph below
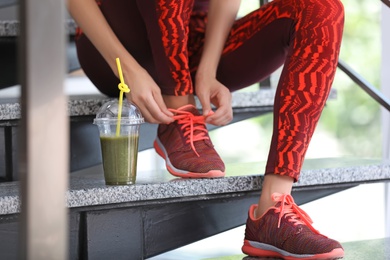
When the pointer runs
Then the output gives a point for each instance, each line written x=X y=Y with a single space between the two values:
x=371 y=90
x=365 y=85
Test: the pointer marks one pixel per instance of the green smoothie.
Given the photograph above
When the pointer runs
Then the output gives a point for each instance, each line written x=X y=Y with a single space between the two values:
x=119 y=159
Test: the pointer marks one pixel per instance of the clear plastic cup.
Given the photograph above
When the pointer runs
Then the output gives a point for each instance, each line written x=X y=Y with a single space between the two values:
x=119 y=151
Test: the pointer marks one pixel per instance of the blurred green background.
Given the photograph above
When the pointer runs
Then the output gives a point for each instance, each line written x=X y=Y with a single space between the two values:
x=350 y=124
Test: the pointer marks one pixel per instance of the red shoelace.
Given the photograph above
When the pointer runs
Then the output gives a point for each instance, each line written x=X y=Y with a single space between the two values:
x=190 y=124
x=288 y=208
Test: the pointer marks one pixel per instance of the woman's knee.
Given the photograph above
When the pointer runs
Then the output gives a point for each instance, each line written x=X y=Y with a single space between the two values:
x=326 y=9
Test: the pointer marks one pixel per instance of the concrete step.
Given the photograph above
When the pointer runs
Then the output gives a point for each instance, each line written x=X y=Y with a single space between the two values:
x=84 y=139
x=160 y=212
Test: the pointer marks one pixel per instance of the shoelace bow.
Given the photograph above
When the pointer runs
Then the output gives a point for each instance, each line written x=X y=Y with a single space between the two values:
x=191 y=123
x=288 y=208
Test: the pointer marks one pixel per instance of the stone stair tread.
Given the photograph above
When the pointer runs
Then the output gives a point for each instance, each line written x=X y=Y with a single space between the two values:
x=87 y=105
x=148 y=217
x=87 y=186
x=11 y=28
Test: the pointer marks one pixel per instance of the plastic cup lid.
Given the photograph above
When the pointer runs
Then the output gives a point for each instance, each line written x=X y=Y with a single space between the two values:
x=108 y=114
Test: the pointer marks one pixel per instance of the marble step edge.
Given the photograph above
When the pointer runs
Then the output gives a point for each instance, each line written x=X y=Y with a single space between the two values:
x=95 y=192
x=88 y=105
x=11 y=28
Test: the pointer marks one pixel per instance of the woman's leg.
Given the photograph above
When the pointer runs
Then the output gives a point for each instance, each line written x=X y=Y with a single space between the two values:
x=305 y=36
x=184 y=144
x=167 y=27
x=258 y=45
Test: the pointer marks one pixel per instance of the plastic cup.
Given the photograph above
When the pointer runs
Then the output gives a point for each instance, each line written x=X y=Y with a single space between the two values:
x=119 y=149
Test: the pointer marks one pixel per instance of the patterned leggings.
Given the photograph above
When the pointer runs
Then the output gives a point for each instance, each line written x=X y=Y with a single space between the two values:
x=167 y=40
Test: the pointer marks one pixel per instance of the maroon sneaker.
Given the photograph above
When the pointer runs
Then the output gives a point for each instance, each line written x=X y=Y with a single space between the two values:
x=285 y=231
x=186 y=147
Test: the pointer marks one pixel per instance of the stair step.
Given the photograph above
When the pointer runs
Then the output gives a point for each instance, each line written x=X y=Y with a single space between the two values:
x=82 y=110
x=87 y=187
x=152 y=214
x=87 y=105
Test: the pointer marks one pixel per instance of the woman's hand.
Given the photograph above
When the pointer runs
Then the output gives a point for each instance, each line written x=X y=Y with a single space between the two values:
x=210 y=91
x=145 y=93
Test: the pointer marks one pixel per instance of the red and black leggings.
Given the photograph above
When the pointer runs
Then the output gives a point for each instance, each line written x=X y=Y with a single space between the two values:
x=167 y=39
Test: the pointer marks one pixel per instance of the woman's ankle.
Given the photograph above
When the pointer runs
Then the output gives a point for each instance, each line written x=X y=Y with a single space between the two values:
x=178 y=101
x=272 y=183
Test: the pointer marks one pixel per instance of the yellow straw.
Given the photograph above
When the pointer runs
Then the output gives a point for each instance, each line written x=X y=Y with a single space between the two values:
x=123 y=88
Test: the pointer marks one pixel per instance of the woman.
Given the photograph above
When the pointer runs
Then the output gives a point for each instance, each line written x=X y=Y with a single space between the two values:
x=172 y=49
